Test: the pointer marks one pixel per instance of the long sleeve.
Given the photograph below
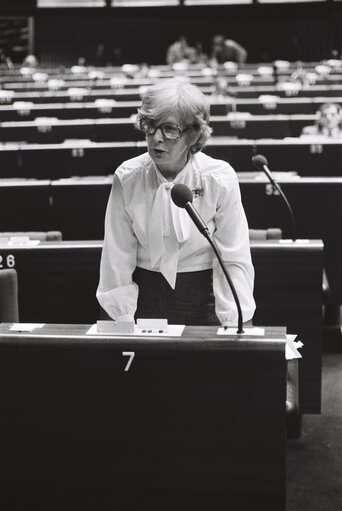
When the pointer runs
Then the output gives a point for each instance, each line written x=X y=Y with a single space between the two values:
x=116 y=292
x=232 y=239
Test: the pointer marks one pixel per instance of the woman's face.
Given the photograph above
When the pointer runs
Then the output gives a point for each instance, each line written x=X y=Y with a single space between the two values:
x=170 y=156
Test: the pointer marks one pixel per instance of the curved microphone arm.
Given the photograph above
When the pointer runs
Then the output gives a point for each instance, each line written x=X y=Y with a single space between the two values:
x=293 y=220
x=260 y=162
x=182 y=197
x=240 y=329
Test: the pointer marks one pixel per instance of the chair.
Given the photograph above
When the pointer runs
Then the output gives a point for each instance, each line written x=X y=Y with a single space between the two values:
x=9 y=307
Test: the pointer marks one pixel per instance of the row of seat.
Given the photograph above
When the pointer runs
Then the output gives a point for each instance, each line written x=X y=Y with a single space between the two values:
x=76 y=207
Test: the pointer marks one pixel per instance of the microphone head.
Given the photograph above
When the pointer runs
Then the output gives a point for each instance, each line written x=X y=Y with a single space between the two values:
x=259 y=161
x=181 y=195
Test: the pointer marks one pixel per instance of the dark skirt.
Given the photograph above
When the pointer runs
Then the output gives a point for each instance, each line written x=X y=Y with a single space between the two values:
x=190 y=303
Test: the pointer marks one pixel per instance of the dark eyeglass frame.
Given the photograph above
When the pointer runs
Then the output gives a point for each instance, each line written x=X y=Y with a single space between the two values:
x=151 y=129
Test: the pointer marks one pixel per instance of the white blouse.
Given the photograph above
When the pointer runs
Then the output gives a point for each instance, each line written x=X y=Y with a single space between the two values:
x=144 y=228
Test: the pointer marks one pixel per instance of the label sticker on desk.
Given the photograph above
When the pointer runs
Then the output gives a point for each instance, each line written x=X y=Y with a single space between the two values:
x=247 y=331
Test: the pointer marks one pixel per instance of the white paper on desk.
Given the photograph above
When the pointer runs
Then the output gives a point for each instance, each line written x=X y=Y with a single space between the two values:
x=291 y=347
x=172 y=331
x=25 y=327
x=16 y=241
x=247 y=331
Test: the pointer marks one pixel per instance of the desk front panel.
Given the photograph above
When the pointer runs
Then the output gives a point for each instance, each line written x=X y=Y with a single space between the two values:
x=25 y=205
x=314 y=156
x=194 y=424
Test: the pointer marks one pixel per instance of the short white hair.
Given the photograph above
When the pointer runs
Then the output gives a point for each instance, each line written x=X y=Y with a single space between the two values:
x=177 y=96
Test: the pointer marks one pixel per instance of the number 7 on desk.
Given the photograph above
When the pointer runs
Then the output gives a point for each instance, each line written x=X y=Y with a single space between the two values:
x=129 y=354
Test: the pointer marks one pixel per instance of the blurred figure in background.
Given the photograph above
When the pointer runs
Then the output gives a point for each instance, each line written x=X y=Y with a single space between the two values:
x=180 y=51
x=224 y=50
x=329 y=121
x=30 y=61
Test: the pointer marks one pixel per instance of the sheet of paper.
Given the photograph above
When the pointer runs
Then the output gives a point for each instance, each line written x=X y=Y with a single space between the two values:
x=292 y=346
x=25 y=327
x=247 y=331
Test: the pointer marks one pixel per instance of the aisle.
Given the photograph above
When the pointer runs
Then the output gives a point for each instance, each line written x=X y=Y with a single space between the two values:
x=314 y=462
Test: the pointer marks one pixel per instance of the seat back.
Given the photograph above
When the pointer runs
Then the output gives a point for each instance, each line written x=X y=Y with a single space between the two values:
x=272 y=233
x=9 y=307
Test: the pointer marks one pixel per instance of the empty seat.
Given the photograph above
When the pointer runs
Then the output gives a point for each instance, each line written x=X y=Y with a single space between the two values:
x=9 y=308
x=272 y=233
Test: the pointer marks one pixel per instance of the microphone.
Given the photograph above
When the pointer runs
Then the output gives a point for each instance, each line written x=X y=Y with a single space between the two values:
x=261 y=163
x=182 y=197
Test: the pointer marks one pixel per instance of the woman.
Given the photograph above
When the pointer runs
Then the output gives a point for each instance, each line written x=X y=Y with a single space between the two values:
x=155 y=263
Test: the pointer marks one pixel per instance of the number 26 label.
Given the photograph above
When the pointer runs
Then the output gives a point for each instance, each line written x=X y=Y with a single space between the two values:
x=7 y=261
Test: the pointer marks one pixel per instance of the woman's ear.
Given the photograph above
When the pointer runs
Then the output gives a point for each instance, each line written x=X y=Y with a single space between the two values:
x=194 y=147
x=194 y=139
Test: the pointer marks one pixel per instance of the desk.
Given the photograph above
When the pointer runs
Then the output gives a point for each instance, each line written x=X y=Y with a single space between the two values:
x=314 y=157
x=124 y=109
x=309 y=156
x=134 y=94
x=76 y=207
x=317 y=206
x=196 y=423
x=240 y=125
x=72 y=158
x=83 y=157
x=133 y=83
x=58 y=281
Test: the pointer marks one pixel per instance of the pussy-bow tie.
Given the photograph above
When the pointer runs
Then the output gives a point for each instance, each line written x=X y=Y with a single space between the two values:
x=169 y=225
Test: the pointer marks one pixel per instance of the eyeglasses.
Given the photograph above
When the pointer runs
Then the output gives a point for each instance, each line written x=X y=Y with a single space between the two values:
x=169 y=130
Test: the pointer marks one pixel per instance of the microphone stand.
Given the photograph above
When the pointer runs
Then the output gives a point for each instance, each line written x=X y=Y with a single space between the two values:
x=260 y=162
x=182 y=197
x=278 y=187
x=240 y=329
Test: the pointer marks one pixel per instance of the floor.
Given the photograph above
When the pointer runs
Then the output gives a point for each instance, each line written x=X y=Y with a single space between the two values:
x=314 y=461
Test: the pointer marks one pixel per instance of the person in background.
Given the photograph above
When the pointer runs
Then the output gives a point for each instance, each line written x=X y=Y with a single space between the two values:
x=180 y=51
x=329 y=121
x=30 y=61
x=155 y=263
x=224 y=50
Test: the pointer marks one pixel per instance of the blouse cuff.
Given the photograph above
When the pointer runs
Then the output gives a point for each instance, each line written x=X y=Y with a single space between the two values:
x=124 y=318
x=230 y=319
x=119 y=302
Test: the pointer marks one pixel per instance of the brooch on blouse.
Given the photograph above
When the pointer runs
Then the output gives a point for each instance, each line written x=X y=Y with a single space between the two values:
x=197 y=192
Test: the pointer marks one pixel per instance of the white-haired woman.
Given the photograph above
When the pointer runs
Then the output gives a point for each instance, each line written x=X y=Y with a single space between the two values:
x=155 y=263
